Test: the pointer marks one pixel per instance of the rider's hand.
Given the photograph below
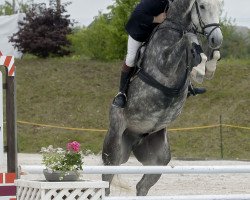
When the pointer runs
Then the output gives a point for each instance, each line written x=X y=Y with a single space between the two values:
x=160 y=18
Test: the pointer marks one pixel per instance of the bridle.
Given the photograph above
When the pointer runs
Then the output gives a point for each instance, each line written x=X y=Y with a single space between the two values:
x=177 y=27
x=203 y=25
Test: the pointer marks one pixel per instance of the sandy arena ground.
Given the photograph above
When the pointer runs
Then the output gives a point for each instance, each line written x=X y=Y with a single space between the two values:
x=168 y=184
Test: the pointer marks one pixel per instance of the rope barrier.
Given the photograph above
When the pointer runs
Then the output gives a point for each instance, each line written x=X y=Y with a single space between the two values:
x=194 y=128
x=104 y=130
x=233 y=126
x=62 y=127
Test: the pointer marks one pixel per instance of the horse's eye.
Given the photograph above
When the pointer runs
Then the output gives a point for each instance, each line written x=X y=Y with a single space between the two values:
x=202 y=6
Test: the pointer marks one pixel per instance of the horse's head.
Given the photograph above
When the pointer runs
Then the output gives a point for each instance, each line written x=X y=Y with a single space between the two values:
x=205 y=16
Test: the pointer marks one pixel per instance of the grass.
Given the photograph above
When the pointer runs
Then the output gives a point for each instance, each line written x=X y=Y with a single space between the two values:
x=75 y=92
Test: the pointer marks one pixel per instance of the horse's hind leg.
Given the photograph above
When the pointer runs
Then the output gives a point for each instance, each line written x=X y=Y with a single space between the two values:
x=152 y=150
x=115 y=149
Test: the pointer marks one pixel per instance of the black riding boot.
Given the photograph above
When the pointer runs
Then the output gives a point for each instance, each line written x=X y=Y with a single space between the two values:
x=194 y=91
x=121 y=98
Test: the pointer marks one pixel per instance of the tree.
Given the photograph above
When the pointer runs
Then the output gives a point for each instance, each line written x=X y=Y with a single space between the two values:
x=6 y=8
x=44 y=32
x=105 y=38
x=235 y=45
x=9 y=8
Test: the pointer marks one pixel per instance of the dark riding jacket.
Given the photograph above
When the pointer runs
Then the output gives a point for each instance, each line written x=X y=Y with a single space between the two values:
x=140 y=25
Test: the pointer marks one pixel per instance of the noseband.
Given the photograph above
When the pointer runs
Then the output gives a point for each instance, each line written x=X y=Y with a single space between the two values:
x=203 y=25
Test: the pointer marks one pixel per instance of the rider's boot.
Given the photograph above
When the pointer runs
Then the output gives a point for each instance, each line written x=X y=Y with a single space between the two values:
x=121 y=98
x=194 y=91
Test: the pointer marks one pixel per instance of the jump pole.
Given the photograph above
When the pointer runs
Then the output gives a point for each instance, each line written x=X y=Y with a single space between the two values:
x=38 y=169
x=186 y=197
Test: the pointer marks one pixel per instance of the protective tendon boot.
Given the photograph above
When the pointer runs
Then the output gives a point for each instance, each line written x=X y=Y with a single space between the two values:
x=198 y=72
x=121 y=98
x=194 y=91
x=211 y=65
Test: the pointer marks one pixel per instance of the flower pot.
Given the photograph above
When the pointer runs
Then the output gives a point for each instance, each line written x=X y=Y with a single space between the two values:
x=60 y=176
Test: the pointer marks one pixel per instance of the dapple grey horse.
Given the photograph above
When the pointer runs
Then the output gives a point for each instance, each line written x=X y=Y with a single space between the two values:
x=158 y=92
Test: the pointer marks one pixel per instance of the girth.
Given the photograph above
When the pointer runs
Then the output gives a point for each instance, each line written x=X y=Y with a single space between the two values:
x=169 y=92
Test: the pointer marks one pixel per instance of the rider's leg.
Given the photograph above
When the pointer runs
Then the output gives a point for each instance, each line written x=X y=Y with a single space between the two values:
x=126 y=73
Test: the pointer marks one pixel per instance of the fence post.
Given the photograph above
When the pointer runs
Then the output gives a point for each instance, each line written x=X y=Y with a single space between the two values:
x=221 y=139
x=11 y=123
x=1 y=121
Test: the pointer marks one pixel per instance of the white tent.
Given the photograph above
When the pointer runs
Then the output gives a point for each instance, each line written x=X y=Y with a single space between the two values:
x=9 y=26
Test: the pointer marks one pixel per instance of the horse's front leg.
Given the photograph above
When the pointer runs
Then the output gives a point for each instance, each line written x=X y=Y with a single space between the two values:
x=211 y=64
x=198 y=58
x=114 y=147
x=151 y=150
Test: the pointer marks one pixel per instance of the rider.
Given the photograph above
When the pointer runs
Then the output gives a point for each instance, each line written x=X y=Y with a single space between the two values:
x=146 y=16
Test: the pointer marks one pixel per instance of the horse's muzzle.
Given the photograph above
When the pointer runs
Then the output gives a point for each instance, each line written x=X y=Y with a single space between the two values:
x=215 y=37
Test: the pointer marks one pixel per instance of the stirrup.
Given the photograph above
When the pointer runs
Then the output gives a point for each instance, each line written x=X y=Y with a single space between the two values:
x=120 y=100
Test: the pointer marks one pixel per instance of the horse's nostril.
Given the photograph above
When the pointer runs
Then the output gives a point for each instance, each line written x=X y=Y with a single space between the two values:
x=213 y=40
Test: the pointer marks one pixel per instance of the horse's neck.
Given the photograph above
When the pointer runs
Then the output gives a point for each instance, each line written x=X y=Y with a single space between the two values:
x=180 y=12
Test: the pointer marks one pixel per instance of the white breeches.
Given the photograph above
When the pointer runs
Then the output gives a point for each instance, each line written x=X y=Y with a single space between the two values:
x=133 y=47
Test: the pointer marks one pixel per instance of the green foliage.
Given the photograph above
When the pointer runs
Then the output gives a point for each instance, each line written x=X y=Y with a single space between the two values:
x=7 y=7
x=235 y=45
x=106 y=37
x=93 y=42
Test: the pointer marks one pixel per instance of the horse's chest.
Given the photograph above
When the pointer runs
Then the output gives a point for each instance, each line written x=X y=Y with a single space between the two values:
x=152 y=117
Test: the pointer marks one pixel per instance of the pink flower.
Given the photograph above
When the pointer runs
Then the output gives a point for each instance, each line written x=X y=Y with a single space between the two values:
x=73 y=146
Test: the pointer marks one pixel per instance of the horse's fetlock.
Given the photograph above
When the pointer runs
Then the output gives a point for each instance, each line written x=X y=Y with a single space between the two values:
x=141 y=191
